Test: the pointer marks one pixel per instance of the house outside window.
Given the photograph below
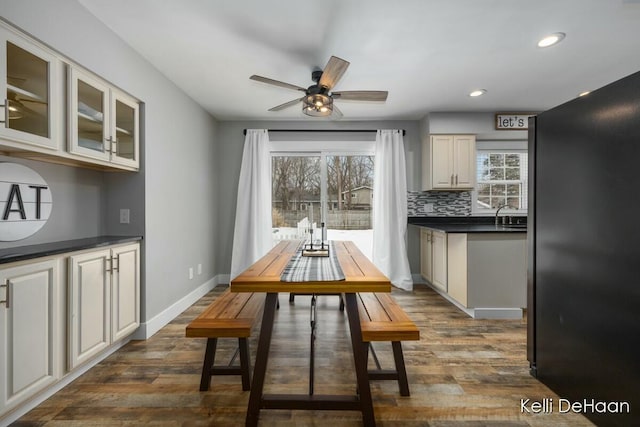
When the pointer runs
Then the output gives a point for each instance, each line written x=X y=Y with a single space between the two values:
x=501 y=181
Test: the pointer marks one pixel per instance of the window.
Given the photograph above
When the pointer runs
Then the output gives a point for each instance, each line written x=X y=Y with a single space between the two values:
x=501 y=181
x=329 y=185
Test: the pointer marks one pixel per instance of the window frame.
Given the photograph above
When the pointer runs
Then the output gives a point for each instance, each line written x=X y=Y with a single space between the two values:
x=475 y=210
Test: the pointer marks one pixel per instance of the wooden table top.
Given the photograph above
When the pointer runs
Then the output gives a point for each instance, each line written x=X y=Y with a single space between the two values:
x=264 y=275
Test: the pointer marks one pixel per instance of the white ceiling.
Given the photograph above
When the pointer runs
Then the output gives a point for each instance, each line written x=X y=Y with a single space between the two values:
x=429 y=54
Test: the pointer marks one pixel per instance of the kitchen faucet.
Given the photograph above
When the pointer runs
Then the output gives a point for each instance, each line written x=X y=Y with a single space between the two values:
x=498 y=211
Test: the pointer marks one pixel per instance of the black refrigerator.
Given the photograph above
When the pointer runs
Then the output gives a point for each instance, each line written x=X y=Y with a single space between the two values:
x=584 y=252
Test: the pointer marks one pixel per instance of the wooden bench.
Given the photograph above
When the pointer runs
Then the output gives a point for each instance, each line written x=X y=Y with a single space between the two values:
x=382 y=319
x=231 y=315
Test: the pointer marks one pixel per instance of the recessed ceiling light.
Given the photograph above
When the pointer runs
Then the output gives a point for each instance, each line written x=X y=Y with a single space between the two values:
x=478 y=92
x=586 y=92
x=551 y=39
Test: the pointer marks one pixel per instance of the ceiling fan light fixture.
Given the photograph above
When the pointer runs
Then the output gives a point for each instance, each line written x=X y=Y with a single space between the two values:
x=317 y=105
x=15 y=112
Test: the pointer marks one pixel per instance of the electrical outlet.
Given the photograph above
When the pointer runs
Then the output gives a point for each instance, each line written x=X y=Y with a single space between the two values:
x=124 y=216
x=199 y=269
x=428 y=207
x=190 y=273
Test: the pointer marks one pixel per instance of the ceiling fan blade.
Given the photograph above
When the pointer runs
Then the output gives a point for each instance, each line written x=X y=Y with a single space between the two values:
x=286 y=105
x=361 y=95
x=337 y=114
x=332 y=72
x=277 y=83
x=19 y=91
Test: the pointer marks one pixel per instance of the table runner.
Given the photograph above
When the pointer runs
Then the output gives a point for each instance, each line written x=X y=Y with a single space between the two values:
x=313 y=269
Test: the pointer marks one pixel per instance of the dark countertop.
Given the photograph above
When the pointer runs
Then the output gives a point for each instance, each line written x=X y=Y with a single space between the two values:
x=21 y=253
x=469 y=224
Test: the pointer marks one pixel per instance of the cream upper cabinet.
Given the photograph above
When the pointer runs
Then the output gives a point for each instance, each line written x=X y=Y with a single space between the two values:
x=31 y=89
x=449 y=162
x=125 y=132
x=103 y=122
x=31 y=332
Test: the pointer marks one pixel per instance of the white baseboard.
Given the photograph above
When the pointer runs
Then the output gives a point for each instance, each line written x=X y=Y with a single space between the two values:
x=497 y=313
x=151 y=326
x=483 y=312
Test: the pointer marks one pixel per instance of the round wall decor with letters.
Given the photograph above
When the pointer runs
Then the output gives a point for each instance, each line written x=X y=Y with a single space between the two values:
x=25 y=202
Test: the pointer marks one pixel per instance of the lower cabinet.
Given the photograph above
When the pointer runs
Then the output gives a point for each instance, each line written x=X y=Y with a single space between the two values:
x=31 y=330
x=426 y=254
x=488 y=270
x=104 y=300
x=433 y=257
x=49 y=325
x=439 y=260
x=483 y=272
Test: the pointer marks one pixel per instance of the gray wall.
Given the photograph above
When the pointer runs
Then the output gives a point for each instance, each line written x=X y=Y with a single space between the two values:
x=77 y=203
x=480 y=124
x=173 y=197
x=229 y=157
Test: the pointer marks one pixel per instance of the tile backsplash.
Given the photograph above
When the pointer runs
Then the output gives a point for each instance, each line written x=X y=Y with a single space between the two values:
x=445 y=203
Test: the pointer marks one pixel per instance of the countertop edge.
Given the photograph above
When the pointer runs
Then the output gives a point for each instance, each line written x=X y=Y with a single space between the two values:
x=468 y=228
x=22 y=253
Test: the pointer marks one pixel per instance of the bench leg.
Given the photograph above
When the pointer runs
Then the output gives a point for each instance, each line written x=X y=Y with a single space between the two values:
x=245 y=363
x=403 y=383
x=209 y=358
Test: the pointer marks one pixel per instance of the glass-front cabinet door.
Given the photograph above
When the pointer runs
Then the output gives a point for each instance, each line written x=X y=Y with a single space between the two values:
x=125 y=129
x=88 y=116
x=30 y=89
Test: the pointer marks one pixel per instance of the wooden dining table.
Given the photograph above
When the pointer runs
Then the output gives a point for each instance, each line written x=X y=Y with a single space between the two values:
x=264 y=276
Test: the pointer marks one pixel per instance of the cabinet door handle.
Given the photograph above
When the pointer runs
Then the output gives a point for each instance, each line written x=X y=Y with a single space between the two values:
x=6 y=299
x=109 y=266
x=6 y=113
x=114 y=266
x=451 y=179
x=456 y=179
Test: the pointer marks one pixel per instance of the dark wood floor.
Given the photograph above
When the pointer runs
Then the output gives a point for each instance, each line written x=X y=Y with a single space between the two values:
x=463 y=372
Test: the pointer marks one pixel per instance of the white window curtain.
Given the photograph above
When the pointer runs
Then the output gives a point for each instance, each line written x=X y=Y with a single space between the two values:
x=390 y=209
x=252 y=231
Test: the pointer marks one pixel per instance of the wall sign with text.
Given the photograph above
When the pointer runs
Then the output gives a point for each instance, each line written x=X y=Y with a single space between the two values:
x=513 y=121
x=25 y=202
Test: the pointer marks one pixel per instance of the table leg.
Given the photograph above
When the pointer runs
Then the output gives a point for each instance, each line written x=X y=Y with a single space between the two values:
x=360 y=359
x=262 y=356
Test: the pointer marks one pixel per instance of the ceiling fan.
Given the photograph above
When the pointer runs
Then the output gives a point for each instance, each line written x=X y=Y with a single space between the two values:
x=318 y=98
x=16 y=99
